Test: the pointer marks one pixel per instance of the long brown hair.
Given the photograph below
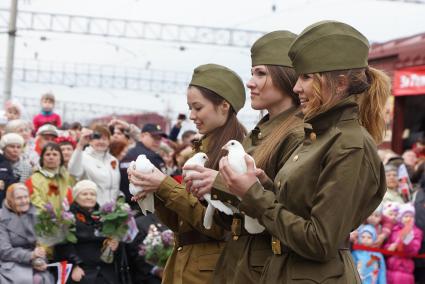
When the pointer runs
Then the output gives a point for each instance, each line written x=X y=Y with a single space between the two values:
x=372 y=88
x=284 y=79
x=232 y=129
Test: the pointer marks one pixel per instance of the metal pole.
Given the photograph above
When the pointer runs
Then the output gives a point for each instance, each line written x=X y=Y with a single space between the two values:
x=10 y=51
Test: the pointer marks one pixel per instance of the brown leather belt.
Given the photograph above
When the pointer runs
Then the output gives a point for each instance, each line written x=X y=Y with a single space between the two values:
x=238 y=227
x=278 y=248
x=193 y=237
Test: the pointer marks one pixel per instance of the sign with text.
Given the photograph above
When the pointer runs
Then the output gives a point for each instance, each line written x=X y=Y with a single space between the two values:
x=408 y=82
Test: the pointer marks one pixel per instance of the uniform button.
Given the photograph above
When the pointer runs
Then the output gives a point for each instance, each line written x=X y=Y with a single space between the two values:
x=295 y=158
x=179 y=248
x=215 y=196
x=313 y=136
x=259 y=135
x=181 y=223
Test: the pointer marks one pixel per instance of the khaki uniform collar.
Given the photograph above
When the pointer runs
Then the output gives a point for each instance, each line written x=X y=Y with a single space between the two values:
x=201 y=145
x=346 y=109
x=266 y=125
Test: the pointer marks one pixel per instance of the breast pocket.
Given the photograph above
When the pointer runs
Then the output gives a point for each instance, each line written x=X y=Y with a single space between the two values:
x=207 y=262
x=258 y=259
x=316 y=272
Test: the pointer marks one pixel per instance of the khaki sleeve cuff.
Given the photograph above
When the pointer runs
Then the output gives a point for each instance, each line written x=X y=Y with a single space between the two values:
x=256 y=201
x=220 y=185
x=165 y=188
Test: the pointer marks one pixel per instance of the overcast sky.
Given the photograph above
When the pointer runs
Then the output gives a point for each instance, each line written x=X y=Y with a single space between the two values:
x=378 y=20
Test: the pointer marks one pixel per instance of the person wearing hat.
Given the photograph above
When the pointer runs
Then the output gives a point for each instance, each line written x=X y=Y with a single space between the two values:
x=85 y=253
x=370 y=265
x=22 y=260
x=271 y=142
x=148 y=144
x=334 y=179
x=12 y=145
x=95 y=163
x=214 y=96
x=405 y=238
x=67 y=145
x=45 y=134
x=47 y=115
x=23 y=128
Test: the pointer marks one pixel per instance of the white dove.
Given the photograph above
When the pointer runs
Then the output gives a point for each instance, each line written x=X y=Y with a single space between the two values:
x=236 y=157
x=200 y=159
x=143 y=165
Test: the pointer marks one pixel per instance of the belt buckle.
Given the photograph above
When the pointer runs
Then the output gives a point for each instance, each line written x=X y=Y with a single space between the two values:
x=236 y=228
x=276 y=246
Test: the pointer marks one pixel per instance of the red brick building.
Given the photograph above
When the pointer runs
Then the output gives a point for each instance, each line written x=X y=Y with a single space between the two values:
x=404 y=60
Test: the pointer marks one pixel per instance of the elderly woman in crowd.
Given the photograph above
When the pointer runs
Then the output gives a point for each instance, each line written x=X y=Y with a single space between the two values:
x=18 y=242
x=12 y=145
x=95 y=163
x=23 y=128
x=51 y=182
x=85 y=254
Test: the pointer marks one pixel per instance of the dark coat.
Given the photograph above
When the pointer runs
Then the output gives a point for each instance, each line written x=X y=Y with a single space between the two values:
x=6 y=177
x=141 y=270
x=87 y=251
x=132 y=155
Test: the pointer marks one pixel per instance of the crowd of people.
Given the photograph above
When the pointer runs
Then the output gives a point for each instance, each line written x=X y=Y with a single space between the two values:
x=320 y=203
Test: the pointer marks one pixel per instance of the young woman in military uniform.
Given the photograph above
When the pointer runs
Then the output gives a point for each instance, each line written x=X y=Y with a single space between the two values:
x=214 y=96
x=334 y=180
x=271 y=143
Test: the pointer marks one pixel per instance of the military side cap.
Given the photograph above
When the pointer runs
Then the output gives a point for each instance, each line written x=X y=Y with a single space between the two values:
x=222 y=81
x=272 y=49
x=328 y=46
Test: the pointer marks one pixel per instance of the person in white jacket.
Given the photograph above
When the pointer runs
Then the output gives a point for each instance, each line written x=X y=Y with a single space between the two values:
x=95 y=163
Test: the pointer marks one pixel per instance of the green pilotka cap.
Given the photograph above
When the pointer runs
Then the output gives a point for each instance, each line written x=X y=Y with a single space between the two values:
x=328 y=46
x=272 y=49
x=222 y=81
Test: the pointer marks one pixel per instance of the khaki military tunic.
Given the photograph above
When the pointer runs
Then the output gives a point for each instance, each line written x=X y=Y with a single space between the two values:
x=196 y=249
x=245 y=255
x=329 y=185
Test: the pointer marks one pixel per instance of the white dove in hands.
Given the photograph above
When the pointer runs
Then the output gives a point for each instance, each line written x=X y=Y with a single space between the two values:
x=236 y=158
x=143 y=165
x=200 y=159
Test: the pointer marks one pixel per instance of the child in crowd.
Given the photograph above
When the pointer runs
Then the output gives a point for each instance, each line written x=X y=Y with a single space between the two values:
x=405 y=238
x=370 y=265
x=375 y=220
x=389 y=217
x=47 y=116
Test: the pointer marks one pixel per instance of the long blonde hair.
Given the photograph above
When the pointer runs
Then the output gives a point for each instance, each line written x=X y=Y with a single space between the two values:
x=371 y=86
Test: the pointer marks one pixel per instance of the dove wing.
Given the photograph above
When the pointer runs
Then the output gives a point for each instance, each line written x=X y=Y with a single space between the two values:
x=253 y=226
x=147 y=204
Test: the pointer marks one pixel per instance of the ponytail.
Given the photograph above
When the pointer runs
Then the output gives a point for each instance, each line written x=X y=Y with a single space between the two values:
x=371 y=87
x=372 y=103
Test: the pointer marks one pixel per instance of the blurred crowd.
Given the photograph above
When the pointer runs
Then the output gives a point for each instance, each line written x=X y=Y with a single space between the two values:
x=47 y=161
